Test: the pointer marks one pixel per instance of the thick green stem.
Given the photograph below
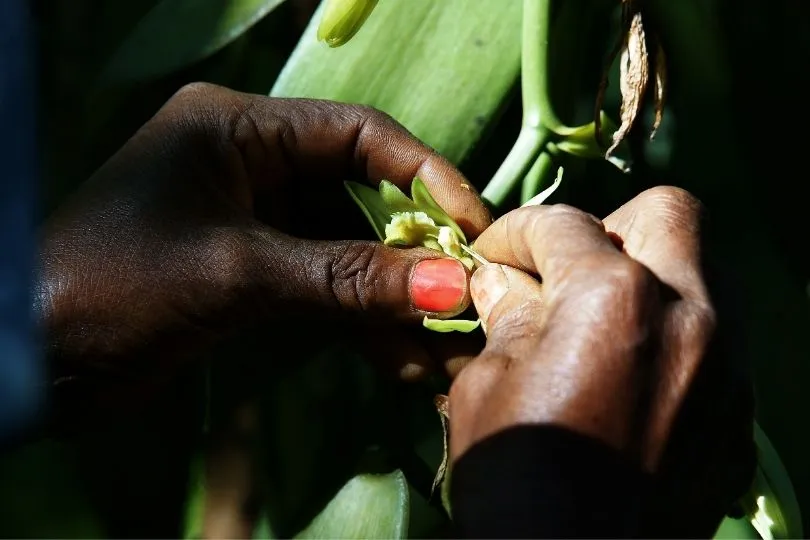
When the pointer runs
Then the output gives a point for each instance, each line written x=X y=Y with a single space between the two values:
x=539 y=119
x=516 y=165
x=538 y=111
x=537 y=176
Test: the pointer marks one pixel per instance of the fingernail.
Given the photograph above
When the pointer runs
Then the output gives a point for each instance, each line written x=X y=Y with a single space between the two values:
x=488 y=285
x=438 y=285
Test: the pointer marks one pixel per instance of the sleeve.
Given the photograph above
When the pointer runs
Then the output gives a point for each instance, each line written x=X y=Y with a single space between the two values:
x=545 y=482
x=21 y=394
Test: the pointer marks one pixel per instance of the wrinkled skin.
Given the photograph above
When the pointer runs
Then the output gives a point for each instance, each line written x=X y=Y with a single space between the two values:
x=227 y=211
x=620 y=342
x=177 y=242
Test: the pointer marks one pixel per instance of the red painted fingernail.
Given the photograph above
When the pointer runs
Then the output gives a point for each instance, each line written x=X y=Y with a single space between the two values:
x=438 y=285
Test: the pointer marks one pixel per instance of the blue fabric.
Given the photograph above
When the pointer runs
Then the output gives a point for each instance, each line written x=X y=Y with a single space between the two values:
x=20 y=372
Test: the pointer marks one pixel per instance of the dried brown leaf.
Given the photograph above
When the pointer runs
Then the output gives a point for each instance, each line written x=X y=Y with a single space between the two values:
x=660 y=88
x=635 y=68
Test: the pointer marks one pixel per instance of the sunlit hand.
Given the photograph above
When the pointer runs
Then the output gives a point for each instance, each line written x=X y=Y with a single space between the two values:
x=619 y=343
x=227 y=211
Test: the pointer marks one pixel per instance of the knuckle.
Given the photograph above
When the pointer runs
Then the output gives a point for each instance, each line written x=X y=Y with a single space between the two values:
x=373 y=115
x=598 y=286
x=194 y=93
x=673 y=199
x=625 y=277
x=699 y=321
x=193 y=114
x=535 y=217
x=350 y=270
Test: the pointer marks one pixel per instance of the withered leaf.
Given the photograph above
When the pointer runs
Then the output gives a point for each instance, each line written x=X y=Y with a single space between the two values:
x=634 y=68
x=660 y=87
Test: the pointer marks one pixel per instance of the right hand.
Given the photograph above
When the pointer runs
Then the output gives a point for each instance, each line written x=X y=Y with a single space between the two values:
x=617 y=344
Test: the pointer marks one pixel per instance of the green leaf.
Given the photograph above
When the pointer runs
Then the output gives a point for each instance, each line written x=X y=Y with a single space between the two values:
x=439 y=67
x=395 y=199
x=368 y=506
x=450 y=325
x=425 y=201
x=177 y=33
x=372 y=205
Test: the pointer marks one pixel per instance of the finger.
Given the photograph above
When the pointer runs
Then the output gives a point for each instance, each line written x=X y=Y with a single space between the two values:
x=549 y=241
x=509 y=303
x=661 y=228
x=359 y=277
x=325 y=141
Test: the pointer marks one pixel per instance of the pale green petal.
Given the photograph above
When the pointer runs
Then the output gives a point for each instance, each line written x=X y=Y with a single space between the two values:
x=450 y=325
x=372 y=205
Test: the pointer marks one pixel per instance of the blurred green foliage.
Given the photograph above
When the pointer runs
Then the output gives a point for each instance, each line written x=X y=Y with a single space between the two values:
x=733 y=135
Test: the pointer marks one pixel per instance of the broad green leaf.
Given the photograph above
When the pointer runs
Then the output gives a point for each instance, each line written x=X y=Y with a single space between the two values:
x=368 y=506
x=439 y=67
x=177 y=33
x=372 y=205
x=425 y=201
x=395 y=199
x=450 y=325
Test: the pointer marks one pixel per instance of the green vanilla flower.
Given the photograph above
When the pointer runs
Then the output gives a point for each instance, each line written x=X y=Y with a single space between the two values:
x=416 y=221
x=342 y=19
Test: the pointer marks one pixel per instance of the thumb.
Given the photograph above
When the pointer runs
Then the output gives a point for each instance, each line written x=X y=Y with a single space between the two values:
x=483 y=399
x=502 y=293
x=374 y=279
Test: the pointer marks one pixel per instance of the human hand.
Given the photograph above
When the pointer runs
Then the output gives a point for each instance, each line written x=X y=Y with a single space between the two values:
x=620 y=343
x=227 y=211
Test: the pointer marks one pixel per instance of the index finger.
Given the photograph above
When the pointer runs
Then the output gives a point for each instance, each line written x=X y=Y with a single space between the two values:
x=330 y=141
x=548 y=241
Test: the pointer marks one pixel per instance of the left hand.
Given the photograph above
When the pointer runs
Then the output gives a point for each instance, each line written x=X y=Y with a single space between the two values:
x=227 y=211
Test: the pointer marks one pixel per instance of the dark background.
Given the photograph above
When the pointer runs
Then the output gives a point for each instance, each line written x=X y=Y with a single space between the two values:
x=745 y=156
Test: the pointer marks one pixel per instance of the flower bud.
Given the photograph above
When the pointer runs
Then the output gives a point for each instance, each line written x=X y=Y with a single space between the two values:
x=342 y=19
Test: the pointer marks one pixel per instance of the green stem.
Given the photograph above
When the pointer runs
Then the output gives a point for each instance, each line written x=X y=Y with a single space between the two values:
x=538 y=111
x=516 y=165
x=537 y=176
x=539 y=119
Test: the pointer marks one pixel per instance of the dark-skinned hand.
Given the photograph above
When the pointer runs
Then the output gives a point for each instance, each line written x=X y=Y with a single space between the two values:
x=620 y=344
x=227 y=211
